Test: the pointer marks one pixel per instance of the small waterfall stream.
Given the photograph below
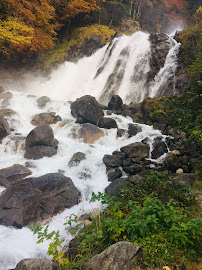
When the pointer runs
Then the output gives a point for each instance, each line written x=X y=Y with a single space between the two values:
x=120 y=68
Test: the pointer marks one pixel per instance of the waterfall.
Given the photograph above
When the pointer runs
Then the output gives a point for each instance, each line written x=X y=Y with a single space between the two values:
x=120 y=67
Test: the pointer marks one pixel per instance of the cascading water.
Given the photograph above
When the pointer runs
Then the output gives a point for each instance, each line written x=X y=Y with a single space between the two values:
x=127 y=59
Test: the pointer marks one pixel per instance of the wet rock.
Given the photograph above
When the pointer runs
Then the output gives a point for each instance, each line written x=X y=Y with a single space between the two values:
x=120 y=255
x=137 y=150
x=114 y=174
x=13 y=174
x=160 y=47
x=121 y=133
x=133 y=169
x=6 y=95
x=33 y=200
x=115 y=185
x=88 y=109
x=76 y=159
x=40 y=151
x=106 y=122
x=112 y=161
x=36 y=264
x=4 y=128
x=45 y=119
x=42 y=101
x=115 y=103
x=89 y=133
x=119 y=155
x=6 y=112
x=160 y=127
x=40 y=142
x=133 y=130
x=172 y=162
x=159 y=148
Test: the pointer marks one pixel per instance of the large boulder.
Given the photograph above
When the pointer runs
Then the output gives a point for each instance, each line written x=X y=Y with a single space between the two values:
x=36 y=264
x=115 y=185
x=106 y=122
x=120 y=255
x=45 y=119
x=115 y=103
x=172 y=162
x=13 y=174
x=137 y=150
x=33 y=200
x=40 y=142
x=89 y=133
x=87 y=109
x=4 y=128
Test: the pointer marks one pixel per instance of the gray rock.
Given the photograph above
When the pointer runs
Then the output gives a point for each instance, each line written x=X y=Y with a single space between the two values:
x=42 y=101
x=121 y=132
x=115 y=103
x=116 y=184
x=4 y=128
x=133 y=130
x=172 y=162
x=40 y=142
x=160 y=148
x=88 y=109
x=106 y=122
x=89 y=133
x=6 y=95
x=137 y=150
x=13 y=174
x=7 y=112
x=120 y=255
x=45 y=119
x=76 y=159
x=112 y=161
x=114 y=174
x=36 y=264
x=33 y=200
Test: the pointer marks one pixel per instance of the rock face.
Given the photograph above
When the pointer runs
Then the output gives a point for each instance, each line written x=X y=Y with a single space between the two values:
x=35 y=199
x=76 y=159
x=42 y=101
x=45 y=119
x=13 y=174
x=159 y=49
x=106 y=122
x=115 y=103
x=137 y=150
x=40 y=142
x=4 y=128
x=87 y=109
x=121 y=255
x=90 y=133
x=36 y=264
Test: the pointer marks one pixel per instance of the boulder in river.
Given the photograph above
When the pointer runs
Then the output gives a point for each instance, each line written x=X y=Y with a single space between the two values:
x=112 y=161
x=13 y=174
x=160 y=148
x=89 y=133
x=42 y=101
x=106 y=122
x=136 y=150
x=40 y=142
x=33 y=200
x=45 y=119
x=4 y=128
x=36 y=264
x=133 y=130
x=76 y=159
x=115 y=103
x=87 y=109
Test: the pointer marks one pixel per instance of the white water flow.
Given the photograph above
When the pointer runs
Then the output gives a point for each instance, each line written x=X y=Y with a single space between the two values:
x=67 y=83
x=118 y=68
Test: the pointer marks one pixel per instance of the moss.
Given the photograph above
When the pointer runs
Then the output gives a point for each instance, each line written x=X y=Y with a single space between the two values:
x=75 y=40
